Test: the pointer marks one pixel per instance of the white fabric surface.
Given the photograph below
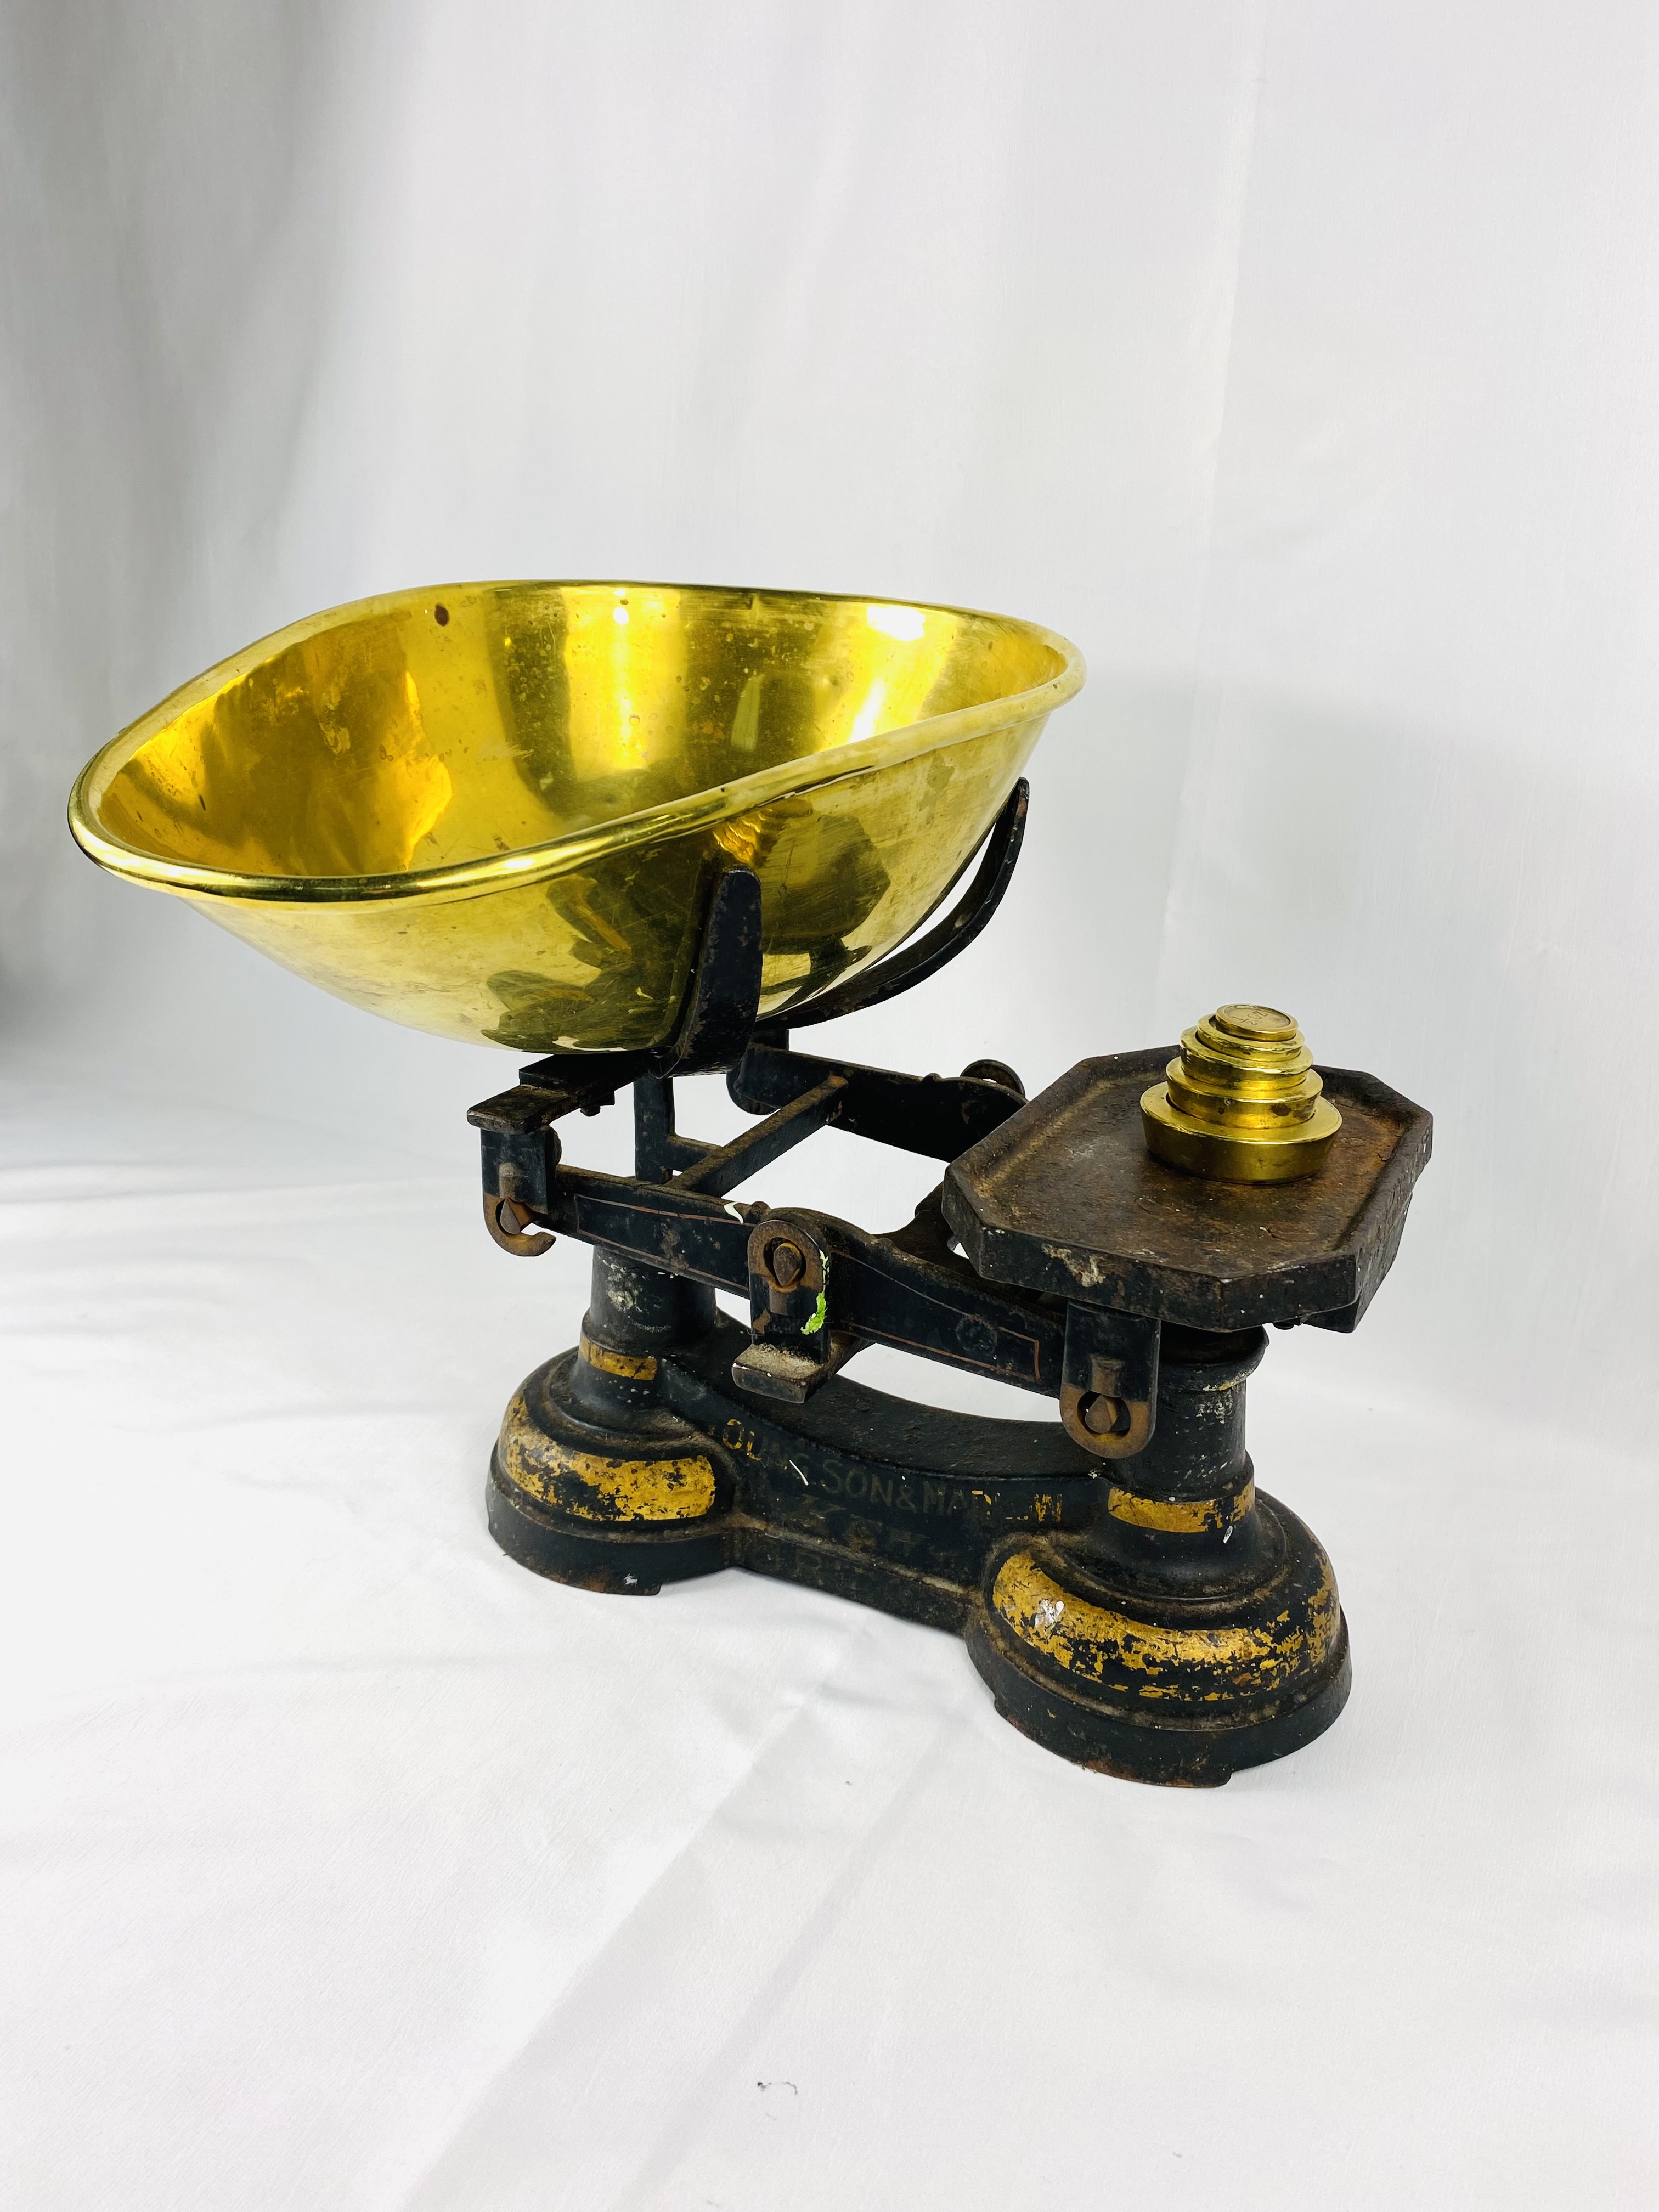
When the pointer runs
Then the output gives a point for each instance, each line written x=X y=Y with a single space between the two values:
x=1299 y=362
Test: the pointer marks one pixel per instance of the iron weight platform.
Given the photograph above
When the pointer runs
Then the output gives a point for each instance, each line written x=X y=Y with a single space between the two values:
x=1132 y=1599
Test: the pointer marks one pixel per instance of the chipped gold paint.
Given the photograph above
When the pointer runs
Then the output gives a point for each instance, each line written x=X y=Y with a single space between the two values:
x=1188 y=1516
x=593 y=1487
x=1087 y=1638
x=632 y=1367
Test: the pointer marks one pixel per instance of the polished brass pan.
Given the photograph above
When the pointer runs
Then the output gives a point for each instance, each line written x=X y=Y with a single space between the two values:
x=492 y=810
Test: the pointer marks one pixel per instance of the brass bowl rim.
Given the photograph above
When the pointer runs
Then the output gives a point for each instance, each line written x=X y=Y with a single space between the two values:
x=533 y=864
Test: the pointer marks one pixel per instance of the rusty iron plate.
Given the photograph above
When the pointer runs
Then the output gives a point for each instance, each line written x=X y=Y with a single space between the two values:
x=1065 y=1197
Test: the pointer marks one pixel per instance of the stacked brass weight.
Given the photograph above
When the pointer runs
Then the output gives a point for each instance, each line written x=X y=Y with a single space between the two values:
x=1241 y=1101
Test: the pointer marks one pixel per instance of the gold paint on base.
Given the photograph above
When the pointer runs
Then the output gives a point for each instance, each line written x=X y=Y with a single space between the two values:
x=597 y=1487
x=630 y=1366
x=1240 y=1102
x=1085 y=1638
x=1186 y=1517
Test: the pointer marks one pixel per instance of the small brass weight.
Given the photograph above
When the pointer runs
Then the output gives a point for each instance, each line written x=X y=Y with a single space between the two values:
x=643 y=832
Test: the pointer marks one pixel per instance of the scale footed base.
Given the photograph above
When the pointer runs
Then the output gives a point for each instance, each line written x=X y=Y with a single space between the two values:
x=1176 y=1690
x=1167 y=1639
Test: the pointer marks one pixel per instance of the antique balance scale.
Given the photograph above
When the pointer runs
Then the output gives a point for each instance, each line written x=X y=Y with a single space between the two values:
x=641 y=831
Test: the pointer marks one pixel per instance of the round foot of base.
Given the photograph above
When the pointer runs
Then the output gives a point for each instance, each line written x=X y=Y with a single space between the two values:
x=1180 y=1687
x=624 y=1510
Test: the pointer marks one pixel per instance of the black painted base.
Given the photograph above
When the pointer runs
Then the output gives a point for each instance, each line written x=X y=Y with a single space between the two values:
x=1168 y=1654
x=1183 y=1691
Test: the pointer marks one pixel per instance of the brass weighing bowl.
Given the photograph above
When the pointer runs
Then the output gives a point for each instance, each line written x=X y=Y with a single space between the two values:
x=493 y=810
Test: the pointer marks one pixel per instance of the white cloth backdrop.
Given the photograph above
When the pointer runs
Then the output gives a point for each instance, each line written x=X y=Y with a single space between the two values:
x=1301 y=362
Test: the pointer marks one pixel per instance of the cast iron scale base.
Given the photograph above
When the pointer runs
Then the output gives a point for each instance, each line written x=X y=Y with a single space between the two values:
x=1133 y=1600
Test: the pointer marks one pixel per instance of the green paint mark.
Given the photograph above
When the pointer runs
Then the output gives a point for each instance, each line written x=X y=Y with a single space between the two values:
x=820 y=1315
